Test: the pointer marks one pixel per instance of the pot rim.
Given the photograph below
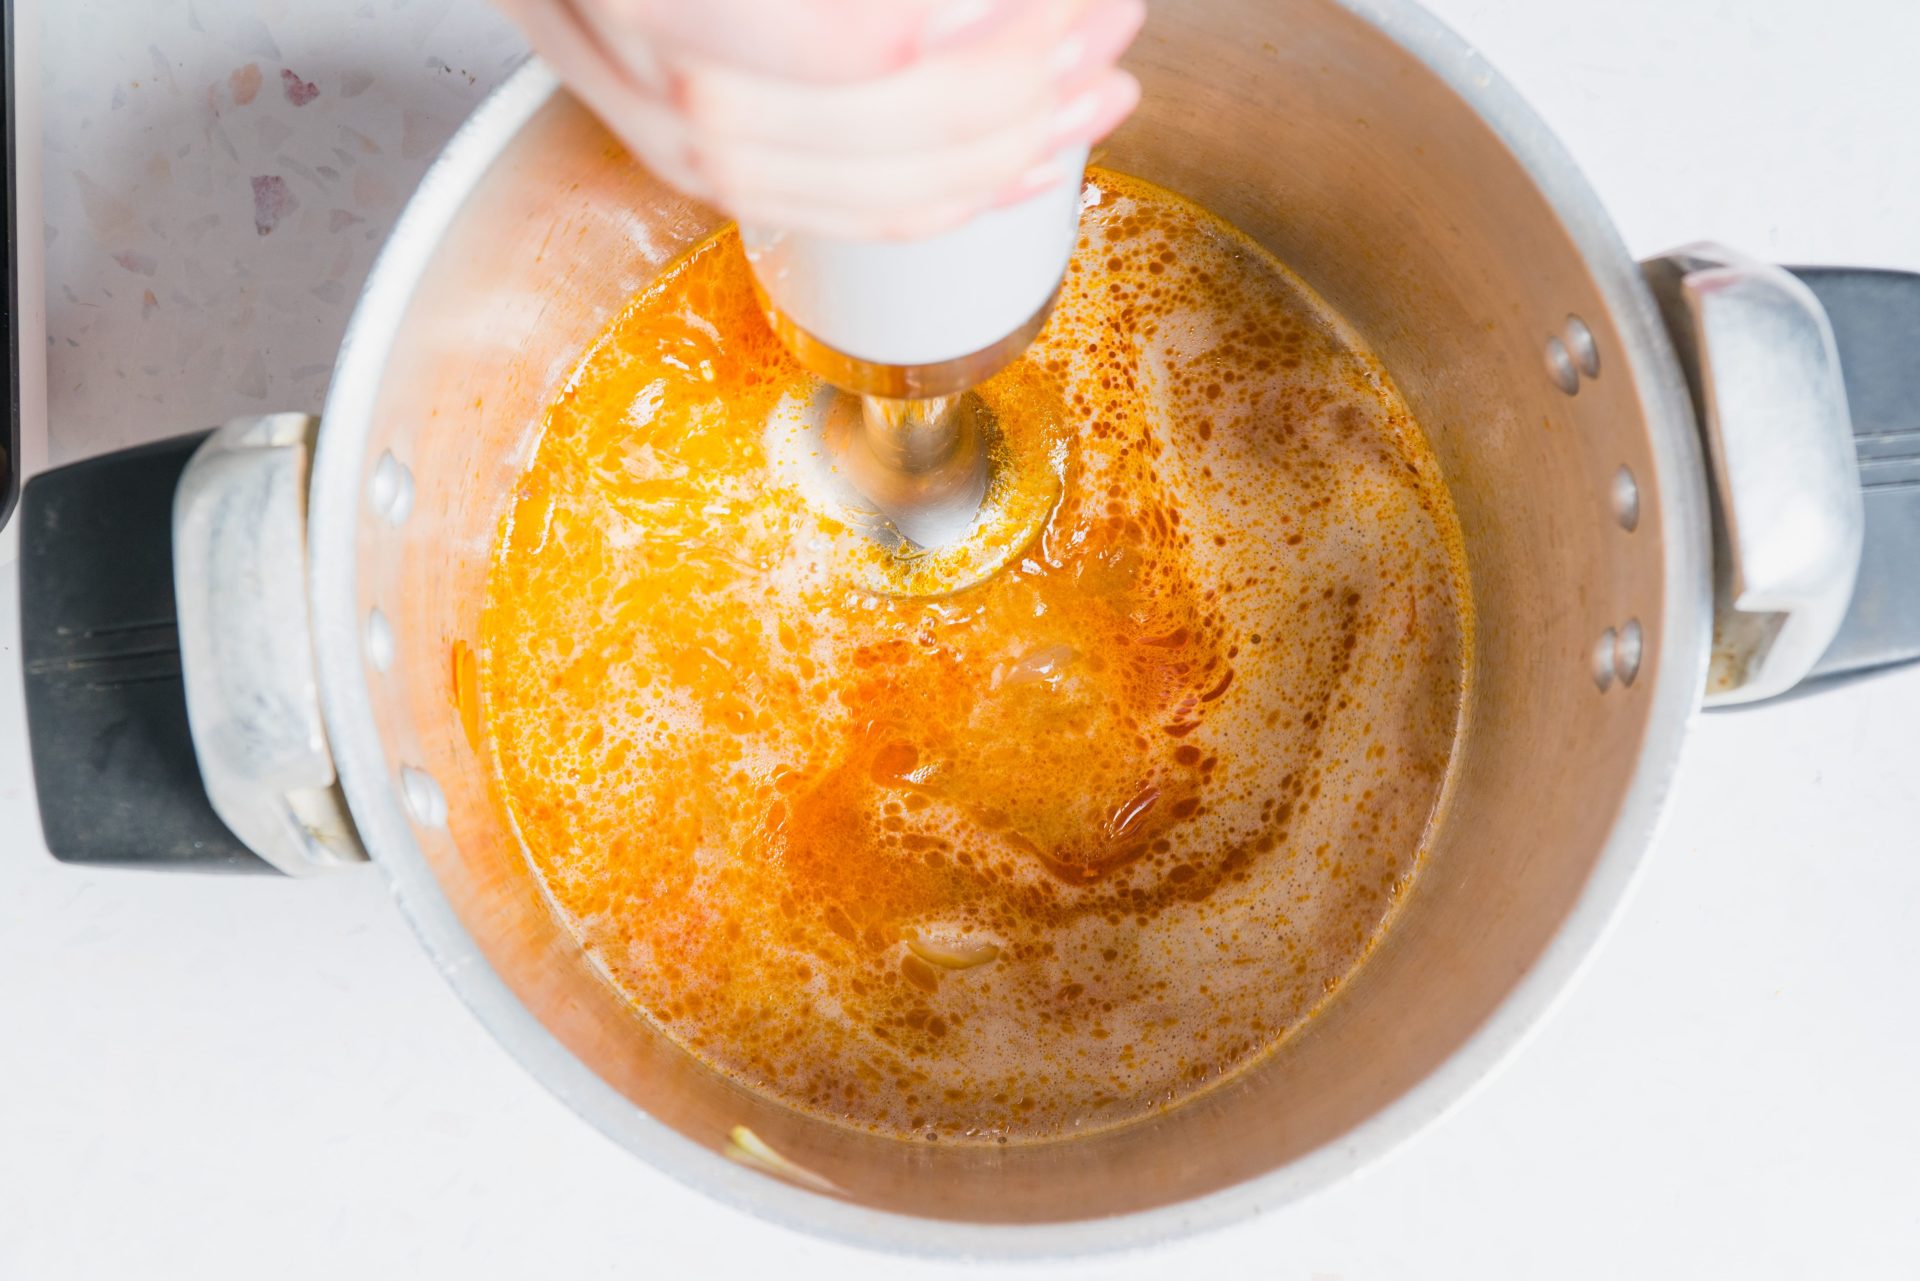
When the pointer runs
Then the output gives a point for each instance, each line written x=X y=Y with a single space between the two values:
x=372 y=785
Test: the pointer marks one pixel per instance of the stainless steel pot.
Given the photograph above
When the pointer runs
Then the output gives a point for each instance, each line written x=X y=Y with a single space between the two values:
x=1379 y=157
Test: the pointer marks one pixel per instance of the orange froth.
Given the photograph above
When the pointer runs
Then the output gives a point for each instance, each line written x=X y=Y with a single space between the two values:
x=1039 y=856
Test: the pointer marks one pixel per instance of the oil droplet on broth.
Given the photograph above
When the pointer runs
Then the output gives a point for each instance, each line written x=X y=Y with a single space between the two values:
x=1046 y=854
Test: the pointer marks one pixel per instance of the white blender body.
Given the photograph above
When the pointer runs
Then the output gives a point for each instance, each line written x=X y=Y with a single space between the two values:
x=910 y=327
x=913 y=319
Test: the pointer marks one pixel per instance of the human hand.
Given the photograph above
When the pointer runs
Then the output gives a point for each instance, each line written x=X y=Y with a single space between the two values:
x=858 y=119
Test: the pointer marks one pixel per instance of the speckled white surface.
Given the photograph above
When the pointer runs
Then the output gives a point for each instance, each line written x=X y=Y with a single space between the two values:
x=243 y=1079
x=219 y=177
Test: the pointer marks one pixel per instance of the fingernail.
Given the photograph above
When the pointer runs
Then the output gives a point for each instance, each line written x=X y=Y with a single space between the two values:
x=1035 y=180
x=1074 y=116
x=960 y=21
x=1098 y=38
x=1093 y=111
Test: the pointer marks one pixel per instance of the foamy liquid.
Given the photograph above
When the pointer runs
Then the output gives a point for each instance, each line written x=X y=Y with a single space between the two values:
x=1038 y=857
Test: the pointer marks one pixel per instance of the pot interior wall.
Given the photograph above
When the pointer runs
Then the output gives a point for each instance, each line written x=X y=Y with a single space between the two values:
x=1358 y=167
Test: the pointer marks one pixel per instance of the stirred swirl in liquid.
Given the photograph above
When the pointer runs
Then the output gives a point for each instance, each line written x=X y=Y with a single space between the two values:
x=1039 y=856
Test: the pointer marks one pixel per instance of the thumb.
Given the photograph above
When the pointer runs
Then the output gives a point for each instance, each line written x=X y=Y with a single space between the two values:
x=820 y=40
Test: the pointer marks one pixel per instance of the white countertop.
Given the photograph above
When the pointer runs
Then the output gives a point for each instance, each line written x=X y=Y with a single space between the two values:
x=212 y=1078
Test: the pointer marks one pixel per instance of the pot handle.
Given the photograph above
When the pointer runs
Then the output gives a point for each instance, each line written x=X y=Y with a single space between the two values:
x=172 y=714
x=1801 y=381
x=1875 y=315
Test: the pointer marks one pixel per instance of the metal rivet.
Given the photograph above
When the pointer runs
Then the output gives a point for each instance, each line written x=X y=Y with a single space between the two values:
x=1560 y=367
x=1603 y=660
x=1626 y=655
x=1586 y=353
x=391 y=489
x=423 y=796
x=379 y=640
x=1626 y=499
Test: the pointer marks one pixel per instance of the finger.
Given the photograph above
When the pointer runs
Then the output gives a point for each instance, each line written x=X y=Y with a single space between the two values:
x=932 y=105
x=972 y=170
x=886 y=198
x=938 y=100
x=842 y=222
x=558 y=35
x=1086 y=119
x=655 y=135
x=740 y=174
x=1094 y=111
x=812 y=40
x=1097 y=40
x=628 y=52
x=659 y=140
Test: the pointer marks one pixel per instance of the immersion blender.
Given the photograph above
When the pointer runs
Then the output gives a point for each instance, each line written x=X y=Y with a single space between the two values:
x=910 y=327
